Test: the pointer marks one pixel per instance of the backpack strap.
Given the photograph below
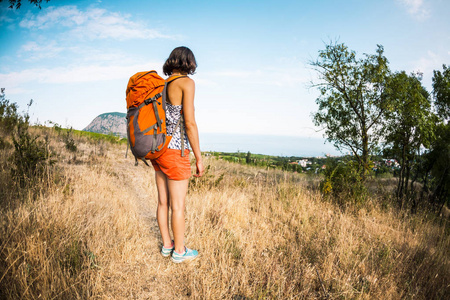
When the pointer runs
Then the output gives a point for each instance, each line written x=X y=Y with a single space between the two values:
x=181 y=119
x=153 y=100
x=162 y=144
x=141 y=158
x=150 y=100
x=182 y=134
x=170 y=79
x=150 y=72
x=128 y=137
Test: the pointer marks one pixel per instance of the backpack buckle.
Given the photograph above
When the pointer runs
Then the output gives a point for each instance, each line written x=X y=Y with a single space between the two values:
x=153 y=99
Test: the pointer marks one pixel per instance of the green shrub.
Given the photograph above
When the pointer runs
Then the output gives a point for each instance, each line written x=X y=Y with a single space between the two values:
x=69 y=141
x=9 y=119
x=343 y=183
x=30 y=156
x=25 y=157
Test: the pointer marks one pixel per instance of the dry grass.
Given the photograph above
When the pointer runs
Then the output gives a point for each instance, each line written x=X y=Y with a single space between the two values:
x=261 y=234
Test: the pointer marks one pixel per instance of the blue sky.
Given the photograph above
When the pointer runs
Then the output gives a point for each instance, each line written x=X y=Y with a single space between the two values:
x=74 y=58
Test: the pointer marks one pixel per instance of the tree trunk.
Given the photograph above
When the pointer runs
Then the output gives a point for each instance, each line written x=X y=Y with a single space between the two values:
x=408 y=173
x=401 y=185
x=439 y=191
x=425 y=184
x=400 y=181
x=414 y=197
x=365 y=156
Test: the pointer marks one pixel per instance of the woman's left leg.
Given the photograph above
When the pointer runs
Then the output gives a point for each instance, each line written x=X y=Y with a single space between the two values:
x=177 y=192
x=162 y=212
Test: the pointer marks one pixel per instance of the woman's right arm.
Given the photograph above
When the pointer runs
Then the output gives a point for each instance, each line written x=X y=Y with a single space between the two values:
x=188 y=88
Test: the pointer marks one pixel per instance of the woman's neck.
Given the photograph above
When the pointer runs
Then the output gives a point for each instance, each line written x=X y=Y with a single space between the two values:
x=177 y=72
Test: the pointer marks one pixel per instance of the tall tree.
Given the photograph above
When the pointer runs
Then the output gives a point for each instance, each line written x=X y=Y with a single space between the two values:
x=352 y=100
x=409 y=125
x=437 y=167
x=441 y=91
x=437 y=159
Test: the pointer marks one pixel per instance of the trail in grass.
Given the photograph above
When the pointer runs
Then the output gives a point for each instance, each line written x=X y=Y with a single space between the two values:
x=139 y=180
x=144 y=276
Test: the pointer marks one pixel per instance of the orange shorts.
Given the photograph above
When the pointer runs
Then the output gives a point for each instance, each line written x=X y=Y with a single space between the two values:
x=173 y=165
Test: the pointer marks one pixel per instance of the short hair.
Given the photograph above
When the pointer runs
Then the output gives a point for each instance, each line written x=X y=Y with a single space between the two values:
x=181 y=58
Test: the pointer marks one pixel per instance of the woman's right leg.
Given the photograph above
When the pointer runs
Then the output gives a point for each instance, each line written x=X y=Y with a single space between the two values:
x=162 y=212
x=178 y=190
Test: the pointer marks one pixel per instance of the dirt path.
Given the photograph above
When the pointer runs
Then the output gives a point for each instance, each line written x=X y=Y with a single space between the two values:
x=118 y=201
x=139 y=181
x=146 y=275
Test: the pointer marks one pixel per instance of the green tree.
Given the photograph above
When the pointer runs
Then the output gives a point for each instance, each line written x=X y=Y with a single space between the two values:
x=18 y=3
x=436 y=166
x=248 y=157
x=408 y=127
x=351 y=103
x=441 y=91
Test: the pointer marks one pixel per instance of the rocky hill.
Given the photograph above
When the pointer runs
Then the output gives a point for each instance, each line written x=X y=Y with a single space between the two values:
x=109 y=123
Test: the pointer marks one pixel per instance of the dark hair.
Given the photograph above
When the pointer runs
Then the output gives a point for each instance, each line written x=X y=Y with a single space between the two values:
x=181 y=59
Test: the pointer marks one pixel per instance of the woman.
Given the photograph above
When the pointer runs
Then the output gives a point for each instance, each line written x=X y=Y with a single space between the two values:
x=172 y=170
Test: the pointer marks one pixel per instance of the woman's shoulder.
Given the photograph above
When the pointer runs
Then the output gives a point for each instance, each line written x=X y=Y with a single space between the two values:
x=185 y=83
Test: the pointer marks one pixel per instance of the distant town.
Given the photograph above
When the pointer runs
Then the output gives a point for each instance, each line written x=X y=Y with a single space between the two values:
x=310 y=165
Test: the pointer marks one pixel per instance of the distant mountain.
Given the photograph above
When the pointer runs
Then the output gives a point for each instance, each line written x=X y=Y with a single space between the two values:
x=109 y=123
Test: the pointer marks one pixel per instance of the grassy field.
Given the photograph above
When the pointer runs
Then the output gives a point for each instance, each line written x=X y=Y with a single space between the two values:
x=88 y=230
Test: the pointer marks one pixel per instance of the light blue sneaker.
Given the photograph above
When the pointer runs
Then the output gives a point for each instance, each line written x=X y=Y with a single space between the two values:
x=167 y=251
x=189 y=254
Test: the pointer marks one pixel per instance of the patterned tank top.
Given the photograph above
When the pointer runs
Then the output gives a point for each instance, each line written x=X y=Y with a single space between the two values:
x=173 y=114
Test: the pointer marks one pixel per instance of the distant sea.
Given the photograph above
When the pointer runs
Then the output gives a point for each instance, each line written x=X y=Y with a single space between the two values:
x=267 y=144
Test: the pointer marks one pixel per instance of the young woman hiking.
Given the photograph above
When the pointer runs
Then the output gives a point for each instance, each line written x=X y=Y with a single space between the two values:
x=172 y=170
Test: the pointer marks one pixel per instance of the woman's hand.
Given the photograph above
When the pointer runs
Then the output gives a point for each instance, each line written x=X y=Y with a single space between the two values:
x=200 y=169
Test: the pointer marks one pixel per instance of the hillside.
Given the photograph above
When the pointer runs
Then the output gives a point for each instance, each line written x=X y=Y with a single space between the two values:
x=109 y=123
x=261 y=234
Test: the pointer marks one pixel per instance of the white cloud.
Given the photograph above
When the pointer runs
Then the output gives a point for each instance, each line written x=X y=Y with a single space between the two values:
x=82 y=53
x=92 y=23
x=5 y=19
x=428 y=63
x=64 y=15
x=71 y=74
x=35 y=51
x=416 y=8
x=275 y=76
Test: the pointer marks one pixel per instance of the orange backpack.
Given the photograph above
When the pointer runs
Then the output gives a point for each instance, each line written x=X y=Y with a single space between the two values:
x=146 y=117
